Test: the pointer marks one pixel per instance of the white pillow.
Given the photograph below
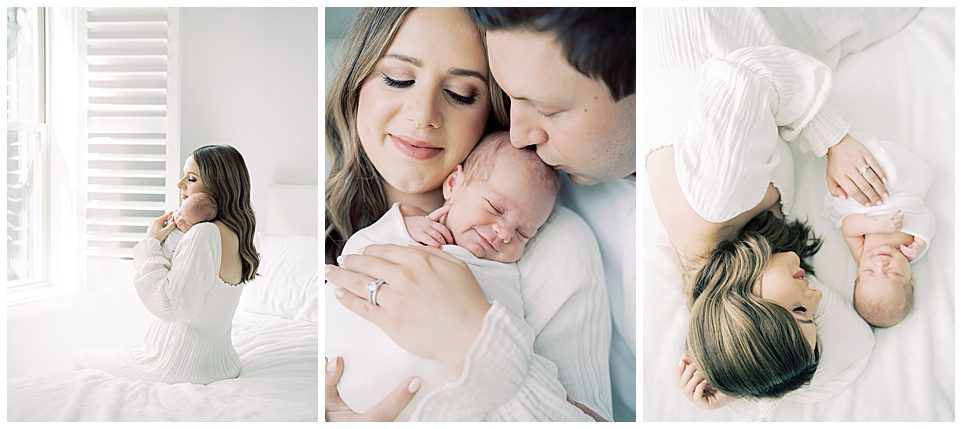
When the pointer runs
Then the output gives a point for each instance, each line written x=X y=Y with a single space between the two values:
x=287 y=282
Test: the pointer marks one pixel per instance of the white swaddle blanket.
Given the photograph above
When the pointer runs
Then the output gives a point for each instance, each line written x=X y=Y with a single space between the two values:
x=375 y=364
x=908 y=180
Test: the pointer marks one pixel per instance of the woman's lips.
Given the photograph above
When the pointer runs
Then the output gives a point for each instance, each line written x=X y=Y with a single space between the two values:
x=416 y=149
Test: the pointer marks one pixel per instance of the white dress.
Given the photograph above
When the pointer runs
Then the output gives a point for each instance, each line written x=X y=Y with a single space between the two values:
x=377 y=365
x=908 y=179
x=190 y=341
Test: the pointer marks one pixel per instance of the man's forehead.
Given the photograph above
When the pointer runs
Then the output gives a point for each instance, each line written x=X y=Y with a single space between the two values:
x=529 y=65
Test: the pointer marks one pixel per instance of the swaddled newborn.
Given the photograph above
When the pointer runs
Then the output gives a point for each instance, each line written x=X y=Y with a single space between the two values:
x=885 y=239
x=198 y=207
x=493 y=207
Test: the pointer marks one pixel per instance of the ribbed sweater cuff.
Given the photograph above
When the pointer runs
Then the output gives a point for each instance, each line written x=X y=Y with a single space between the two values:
x=825 y=130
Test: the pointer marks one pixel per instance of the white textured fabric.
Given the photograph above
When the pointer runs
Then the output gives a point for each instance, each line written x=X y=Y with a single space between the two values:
x=286 y=285
x=908 y=180
x=724 y=103
x=513 y=369
x=278 y=382
x=169 y=245
x=375 y=364
x=190 y=341
x=609 y=209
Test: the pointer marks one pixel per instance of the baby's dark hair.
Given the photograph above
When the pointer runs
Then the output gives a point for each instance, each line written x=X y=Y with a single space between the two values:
x=204 y=205
x=481 y=161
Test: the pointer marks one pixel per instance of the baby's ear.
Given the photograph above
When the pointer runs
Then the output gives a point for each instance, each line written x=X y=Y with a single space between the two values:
x=454 y=182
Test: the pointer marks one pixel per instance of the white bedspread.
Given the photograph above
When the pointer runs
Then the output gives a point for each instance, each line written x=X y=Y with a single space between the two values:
x=900 y=89
x=278 y=382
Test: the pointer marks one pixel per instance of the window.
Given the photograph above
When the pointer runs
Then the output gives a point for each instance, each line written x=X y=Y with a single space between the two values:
x=27 y=146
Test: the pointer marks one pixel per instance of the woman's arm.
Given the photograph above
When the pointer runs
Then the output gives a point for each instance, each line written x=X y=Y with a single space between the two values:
x=176 y=289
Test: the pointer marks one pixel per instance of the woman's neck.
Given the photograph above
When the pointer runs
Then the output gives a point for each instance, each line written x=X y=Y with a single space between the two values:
x=427 y=201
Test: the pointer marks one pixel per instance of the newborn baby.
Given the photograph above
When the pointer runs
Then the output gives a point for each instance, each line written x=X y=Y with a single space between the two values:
x=493 y=206
x=198 y=207
x=887 y=238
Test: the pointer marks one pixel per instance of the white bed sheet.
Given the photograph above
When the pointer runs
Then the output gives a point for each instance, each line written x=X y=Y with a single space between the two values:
x=278 y=382
x=902 y=90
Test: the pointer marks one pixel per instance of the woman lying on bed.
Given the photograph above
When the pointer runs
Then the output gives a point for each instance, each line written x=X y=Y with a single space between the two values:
x=722 y=184
x=423 y=74
x=195 y=293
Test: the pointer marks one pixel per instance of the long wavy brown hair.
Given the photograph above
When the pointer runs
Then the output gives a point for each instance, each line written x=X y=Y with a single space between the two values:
x=745 y=345
x=354 y=192
x=224 y=173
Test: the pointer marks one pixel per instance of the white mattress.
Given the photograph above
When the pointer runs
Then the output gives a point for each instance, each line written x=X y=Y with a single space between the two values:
x=278 y=382
x=900 y=89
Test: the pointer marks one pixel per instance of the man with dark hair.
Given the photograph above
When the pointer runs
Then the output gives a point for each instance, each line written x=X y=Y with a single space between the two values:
x=570 y=74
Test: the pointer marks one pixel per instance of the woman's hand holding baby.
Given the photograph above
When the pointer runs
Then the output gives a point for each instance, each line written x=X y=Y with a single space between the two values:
x=697 y=388
x=849 y=178
x=431 y=304
x=158 y=230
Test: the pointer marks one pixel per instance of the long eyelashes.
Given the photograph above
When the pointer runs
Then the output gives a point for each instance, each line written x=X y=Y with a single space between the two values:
x=457 y=98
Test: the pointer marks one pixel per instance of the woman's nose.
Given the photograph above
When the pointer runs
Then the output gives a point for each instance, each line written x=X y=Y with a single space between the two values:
x=424 y=110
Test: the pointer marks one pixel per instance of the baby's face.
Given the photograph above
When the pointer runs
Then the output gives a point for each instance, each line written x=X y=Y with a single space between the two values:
x=495 y=218
x=884 y=264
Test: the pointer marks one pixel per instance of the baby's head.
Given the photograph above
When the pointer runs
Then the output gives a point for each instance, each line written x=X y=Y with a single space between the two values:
x=883 y=287
x=499 y=199
x=198 y=207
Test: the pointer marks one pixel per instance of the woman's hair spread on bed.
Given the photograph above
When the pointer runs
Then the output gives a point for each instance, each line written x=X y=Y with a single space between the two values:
x=223 y=171
x=598 y=42
x=744 y=345
x=354 y=193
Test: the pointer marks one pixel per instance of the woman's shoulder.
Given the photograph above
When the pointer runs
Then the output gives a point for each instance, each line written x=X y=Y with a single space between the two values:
x=210 y=233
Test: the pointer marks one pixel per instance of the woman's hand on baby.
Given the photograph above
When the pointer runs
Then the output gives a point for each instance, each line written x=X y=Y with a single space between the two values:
x=913 y=250
x=158 y=230
x=848 y=179
x=427 y=231
x=697 y=388
x=430 y=304
x=335 y=410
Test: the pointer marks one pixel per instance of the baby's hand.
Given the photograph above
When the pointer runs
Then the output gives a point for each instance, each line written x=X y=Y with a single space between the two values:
x=891 y=223
x=913 y=250
x=428 y=232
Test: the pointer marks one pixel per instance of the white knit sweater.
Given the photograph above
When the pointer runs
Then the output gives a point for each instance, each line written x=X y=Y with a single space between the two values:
x=190 y=341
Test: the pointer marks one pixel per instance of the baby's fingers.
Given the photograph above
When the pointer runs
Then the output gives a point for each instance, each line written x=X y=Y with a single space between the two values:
x=445 y=233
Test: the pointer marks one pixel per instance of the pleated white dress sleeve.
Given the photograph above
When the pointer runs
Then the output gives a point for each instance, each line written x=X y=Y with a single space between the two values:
x=744 y=104
x=523 y=369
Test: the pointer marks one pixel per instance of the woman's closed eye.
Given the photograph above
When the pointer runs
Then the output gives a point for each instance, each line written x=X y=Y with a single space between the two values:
x=395 y=83
x=454 y=96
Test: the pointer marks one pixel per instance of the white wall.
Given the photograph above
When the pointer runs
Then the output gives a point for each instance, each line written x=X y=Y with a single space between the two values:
x=249 y=79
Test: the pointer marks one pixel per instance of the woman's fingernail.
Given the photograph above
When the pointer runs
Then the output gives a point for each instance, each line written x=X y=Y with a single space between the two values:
x=681 y=363
x=339 y=292
x=885 y=180
x=885 y=196
x=340 y=260
x=414 y=385
x=332 y=365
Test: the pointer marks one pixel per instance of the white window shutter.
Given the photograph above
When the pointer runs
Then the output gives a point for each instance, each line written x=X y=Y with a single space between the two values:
x=132 y=146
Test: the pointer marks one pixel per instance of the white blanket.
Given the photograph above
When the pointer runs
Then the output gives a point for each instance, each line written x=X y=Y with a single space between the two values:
x=900 y=89
x=278 y=382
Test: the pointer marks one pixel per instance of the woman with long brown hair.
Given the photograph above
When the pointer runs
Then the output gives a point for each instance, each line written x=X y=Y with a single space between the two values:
x=412 y=96
x=721 y=179
x=194 y=294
